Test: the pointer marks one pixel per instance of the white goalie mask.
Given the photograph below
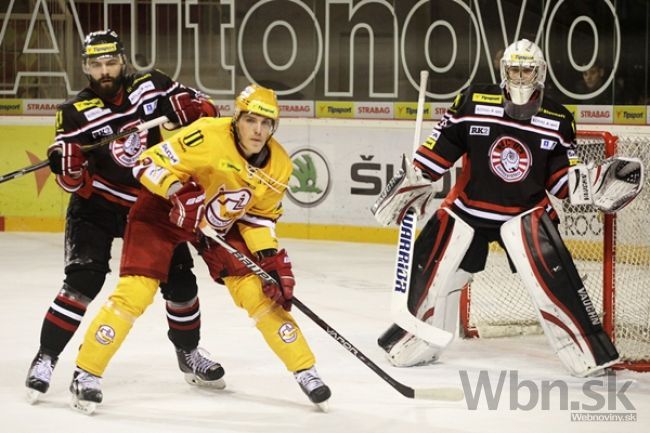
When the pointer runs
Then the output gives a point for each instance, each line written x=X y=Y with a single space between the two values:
x=523 y=72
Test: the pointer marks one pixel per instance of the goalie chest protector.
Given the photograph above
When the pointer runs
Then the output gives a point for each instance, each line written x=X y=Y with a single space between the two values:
x=508 y=165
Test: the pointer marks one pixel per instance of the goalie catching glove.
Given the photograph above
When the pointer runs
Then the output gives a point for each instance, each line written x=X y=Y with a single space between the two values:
x=408 y=189
x=610 y=186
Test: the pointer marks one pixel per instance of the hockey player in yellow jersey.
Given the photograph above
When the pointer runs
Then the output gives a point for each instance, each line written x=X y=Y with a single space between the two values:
x=233 y=173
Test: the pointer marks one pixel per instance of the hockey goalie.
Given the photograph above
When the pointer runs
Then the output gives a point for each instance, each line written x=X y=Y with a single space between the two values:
x=517 y=148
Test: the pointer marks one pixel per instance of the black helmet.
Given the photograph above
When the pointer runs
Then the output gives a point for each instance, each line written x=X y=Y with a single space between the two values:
x=102 y=43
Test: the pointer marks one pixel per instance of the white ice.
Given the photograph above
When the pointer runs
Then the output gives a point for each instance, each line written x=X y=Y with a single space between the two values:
x=347 y=285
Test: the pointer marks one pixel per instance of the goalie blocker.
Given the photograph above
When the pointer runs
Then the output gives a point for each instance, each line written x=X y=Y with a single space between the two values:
x=441 y=269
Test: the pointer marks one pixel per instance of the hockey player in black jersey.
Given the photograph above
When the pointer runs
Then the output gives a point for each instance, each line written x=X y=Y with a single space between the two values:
x=103 y=189
x=517 y=146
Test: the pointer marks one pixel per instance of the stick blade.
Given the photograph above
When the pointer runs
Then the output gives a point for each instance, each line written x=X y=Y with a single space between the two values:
x=439 y=394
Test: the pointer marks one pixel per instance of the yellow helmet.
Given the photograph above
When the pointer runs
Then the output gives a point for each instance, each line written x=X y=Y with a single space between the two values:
x=258 y=100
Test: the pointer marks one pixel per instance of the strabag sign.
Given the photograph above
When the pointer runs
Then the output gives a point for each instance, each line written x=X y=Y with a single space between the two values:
x=41 y=107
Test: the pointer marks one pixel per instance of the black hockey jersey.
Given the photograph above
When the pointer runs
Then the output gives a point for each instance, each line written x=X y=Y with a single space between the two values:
x=508 y=165
x=86 y=118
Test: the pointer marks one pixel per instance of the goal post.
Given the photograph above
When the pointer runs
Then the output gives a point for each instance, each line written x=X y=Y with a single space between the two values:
x=611 y=252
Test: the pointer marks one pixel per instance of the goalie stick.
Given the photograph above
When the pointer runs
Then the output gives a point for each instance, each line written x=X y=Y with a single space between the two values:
x=399 y=310
x=87 y=148
x=441 y=393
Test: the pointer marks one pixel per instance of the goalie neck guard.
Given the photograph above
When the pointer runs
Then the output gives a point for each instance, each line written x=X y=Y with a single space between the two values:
x=523 y=72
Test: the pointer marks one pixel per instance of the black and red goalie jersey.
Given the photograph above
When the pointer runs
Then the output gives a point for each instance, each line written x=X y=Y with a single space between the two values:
x=508 y=165
x=87 y=118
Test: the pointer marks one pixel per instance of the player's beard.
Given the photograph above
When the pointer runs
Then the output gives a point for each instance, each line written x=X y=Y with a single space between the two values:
x=106 y=89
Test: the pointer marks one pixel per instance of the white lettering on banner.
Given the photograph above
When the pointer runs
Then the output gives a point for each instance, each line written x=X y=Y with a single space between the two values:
x=545 y=123
x=488 y=110
x=380 y=36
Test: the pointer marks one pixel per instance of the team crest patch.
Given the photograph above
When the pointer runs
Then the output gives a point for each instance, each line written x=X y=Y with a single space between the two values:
x=105 y=335
x=126 y=150
x=510 y=159
x=226 y=206
x=288 y=333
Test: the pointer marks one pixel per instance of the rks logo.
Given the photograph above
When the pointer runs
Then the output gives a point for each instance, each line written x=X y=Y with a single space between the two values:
x=479 y=130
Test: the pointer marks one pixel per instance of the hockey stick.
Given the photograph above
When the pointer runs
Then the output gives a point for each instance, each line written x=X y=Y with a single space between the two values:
x=399 y=310
x=104 y=141
x=442 y=393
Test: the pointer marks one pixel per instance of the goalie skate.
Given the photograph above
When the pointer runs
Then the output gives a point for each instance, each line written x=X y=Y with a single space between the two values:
x=86 y=392
x=39 y=376
x=312 y=385
x=199 y=369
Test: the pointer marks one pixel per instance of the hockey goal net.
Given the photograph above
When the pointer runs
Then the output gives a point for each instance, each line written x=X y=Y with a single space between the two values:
x=611 y=252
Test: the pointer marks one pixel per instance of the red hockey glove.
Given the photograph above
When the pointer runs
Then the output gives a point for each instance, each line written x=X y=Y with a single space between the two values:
x=188 y=206
x=67 y=159
x=279 y=267
x=184 y=108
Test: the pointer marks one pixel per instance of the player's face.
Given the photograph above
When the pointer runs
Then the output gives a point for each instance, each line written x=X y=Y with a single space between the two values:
x=254 y=131
x=105 y=74
x=521 y=75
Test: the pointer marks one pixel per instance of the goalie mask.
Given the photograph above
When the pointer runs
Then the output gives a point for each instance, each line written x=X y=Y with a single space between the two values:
x=104 y=62
x=523 y=72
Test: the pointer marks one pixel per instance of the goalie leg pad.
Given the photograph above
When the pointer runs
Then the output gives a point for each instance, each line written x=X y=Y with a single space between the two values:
x=434 y=289
x=404 y=349
x=565 y=310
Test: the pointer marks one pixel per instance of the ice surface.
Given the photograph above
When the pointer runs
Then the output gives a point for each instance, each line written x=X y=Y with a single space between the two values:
x=348 y=285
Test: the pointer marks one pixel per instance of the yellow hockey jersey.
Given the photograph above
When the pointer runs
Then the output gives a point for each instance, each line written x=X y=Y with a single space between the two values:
x=236 y=192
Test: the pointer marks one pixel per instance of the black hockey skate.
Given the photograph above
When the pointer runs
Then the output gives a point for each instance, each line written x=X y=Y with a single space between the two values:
x=86 y=391
x=199 y=369
x=39 y=376
x=312 y=385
